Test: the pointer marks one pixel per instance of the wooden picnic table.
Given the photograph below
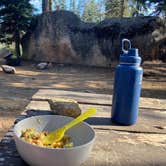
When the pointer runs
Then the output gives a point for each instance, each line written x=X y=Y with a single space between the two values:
x=139 y=145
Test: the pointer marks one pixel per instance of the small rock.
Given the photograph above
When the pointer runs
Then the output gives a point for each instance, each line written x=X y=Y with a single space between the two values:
x=8 y=69
x=65 y=107
x=42 y=66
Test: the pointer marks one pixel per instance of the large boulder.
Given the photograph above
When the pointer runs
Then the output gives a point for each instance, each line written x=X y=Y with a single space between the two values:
x=4 y=52
x=61 y=37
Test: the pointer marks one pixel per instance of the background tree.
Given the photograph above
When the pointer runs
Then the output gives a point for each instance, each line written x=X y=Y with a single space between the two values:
x=91 y=12
x=116 y=8
x=60 y=4
x=159 y=5
x=15 y=19
x=73 y=6
x=46 y=5
x=80 y=7
x=109 y=8
x=122 y=7
x=112 y=8
x=137 y=8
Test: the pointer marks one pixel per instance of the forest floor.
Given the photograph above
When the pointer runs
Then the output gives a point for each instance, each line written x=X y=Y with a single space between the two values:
x=17 y=89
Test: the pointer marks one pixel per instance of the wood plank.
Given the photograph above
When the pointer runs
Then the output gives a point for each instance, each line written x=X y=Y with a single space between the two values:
x=38 y=105
x=114 y=145
x=127 y=149
x=152 y=103
x=149 y=120
x=110 y=148
x=92 y=98
x=96 y=99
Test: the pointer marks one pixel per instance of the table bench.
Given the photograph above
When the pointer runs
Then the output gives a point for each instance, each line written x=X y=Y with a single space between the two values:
x=139 y=145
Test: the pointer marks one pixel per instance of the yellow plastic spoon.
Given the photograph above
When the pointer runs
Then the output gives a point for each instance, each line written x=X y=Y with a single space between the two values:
x=57 y=135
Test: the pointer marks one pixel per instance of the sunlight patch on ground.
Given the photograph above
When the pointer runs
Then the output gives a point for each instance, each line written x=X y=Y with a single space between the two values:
x=151 y=139
x=61 y=86
x=97 y=84
x=6 y=122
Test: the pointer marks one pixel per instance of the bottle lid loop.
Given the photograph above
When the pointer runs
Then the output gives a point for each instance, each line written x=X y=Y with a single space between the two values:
x=123 y=45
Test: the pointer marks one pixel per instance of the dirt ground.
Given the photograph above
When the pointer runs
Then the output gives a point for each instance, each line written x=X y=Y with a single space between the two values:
x=16 y=90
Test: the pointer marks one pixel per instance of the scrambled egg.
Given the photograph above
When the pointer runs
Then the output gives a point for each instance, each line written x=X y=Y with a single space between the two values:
x=35 y=138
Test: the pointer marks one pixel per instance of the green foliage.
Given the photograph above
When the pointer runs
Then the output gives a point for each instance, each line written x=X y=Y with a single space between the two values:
x=138 y=8
x=91 y=12
x=122 y=8
x=60 y=4
x=15 y=19
x=117 y=8
x=160 y=6
x=112 y=8
x=96 y=10
x=73 y=5
x=79 y=7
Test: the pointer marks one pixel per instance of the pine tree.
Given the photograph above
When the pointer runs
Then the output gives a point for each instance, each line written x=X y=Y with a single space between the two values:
x=137 y=8
x=160 y=6
x=122 y=7
x=91 y=12
x=116 y=8
x=80 y=7
x=73 y=5
x=46 y=5
x=15 y=18
x=113 y=8
x=60 y=4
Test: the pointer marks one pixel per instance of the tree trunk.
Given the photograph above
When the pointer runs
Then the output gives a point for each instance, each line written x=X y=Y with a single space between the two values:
x=50 y=5
x=46 y=5
x=122 y=8
x=17 y=44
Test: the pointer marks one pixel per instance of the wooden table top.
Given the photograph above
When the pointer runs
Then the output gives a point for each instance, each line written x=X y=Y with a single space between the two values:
x=141 y=144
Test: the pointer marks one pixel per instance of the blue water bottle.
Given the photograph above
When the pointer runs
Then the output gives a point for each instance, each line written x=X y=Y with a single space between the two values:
x=127 y=86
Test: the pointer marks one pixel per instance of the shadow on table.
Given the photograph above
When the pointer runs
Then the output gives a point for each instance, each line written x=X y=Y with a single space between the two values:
x=38 y=112
x=100 y=121
x=9 y=155
x=92 y=121
x=30 y=113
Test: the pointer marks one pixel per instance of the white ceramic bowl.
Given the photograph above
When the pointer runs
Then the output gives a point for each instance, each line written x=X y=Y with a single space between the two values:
x=82 y=136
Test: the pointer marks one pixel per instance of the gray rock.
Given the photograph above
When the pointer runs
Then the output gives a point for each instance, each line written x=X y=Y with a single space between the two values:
x=8 y=69
x=4 y=52
x=65 y=107
x=61 y=37
x=44 y=65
